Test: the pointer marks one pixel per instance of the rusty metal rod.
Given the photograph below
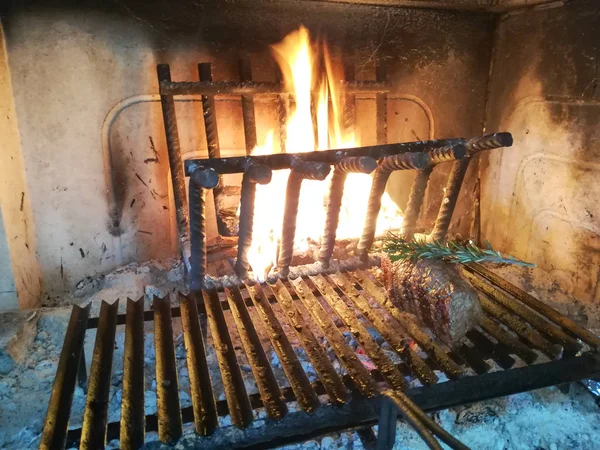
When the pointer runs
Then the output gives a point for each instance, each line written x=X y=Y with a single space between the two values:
x=300 y=170
x=450 y=368
x=586 y=336
x=249 y=119
x=212 y=142
x=95 y=417
x=263 y=374
x=381 y=106
x=299 y=382
x=207 y=87
x=278 y=161
x=388 y=329
x=546 y=328
x=54 y=434
x=380 y=178
x=456 y=177
x=508 y=340
x=356 y=370
x=333 y=384
x=133 y=419
x=360 y=164
x=175 y=164
x=255 y=173
x=497 y=352
x=349 y=113
x=233 y=382
x=170 y=426
x=203 y=402
x=552 y=350
x=389 y=371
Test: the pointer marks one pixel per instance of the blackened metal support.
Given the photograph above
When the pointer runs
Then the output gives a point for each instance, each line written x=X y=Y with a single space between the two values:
x=245 y=71
x=54 y=434
x=380 y=178
x=255 y=173
x=419 y=186
x=175 y=164
x=362 y=164
x=457 y=175
x=300 y=170
x=212 y=142
x=200 y=180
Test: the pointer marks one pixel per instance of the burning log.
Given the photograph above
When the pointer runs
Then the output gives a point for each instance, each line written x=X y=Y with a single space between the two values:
x=436 y=294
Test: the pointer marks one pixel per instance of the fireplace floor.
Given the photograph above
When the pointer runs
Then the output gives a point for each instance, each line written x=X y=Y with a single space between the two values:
x=561 y=419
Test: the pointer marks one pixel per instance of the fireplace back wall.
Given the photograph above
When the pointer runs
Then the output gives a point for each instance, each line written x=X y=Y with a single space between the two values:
x=90 y=124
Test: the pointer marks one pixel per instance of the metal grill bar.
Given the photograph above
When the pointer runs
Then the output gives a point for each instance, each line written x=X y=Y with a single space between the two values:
x=175 y=163
x=381 y=106
x=507 y=339
x=389 y=330
x=263 y=374
x=305 y=394
x=170 y=426
x=356 y=370
x=525 y=332
x=457 y=175
x=589 y=338
x=54 y=434
x=95 y=418
x=373 y=351
x=245 y=71
x=235 y=390
x=205 y=412
x=570 y=345
x=451 y=369
x=361 y=164
x=415 y=200
x=279 y=161
x=132 y=405
x=331 y=381
x=503 y=359
x=205 y=87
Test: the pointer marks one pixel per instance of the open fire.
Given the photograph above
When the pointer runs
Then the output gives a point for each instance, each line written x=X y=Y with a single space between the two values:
x=316 y=122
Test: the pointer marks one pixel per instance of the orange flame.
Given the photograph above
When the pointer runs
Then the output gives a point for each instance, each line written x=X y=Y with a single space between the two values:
x=299 y=64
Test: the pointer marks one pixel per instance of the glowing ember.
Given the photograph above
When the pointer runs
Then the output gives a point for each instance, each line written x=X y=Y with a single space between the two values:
x=298 y=59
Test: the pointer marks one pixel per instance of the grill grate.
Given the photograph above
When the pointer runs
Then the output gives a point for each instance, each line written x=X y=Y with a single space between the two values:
x=307 y=316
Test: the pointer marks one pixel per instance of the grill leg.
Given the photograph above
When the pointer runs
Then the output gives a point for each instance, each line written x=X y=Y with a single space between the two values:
x=388 y=413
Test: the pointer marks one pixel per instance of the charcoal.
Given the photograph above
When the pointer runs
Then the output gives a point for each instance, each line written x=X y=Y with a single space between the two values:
x=436 y=294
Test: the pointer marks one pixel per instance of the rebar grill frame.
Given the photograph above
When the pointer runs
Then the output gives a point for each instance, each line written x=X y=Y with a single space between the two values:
x=551 y=348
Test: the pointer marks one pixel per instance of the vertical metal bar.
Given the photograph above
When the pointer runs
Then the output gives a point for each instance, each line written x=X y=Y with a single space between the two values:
x=203 y=402
x=95 y=417
x=212 y=141
x=415 y=201
x=392 y=334
x=389 y=371
x=200 y=180
x=381 y=105
x=586 y=336
x=175 y=164
x=133 y=421
x=388 y=415
x=245 y=71
x=305 y=394
x=233 y=382
x=283 y=102
x=263 y=374
x=349 y=118
x=334 y=386
x=455 y=179
x=256 y=173
x=54 y=434
x=167 y=387
x=300 y=170
x=364 y=165
x=355 y=368
x=452 y=370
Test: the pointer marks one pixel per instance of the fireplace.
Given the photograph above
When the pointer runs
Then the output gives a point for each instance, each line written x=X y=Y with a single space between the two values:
x=190 y=134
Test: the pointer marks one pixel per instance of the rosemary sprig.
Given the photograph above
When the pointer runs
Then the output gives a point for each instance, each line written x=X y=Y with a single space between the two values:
x=398 y=248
